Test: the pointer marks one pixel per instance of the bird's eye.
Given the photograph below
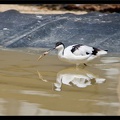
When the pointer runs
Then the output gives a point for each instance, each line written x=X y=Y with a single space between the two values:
x=87 y=53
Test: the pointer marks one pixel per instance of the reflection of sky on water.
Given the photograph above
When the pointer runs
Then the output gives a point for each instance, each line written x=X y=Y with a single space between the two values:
x=111 y=60
x=21 y=107
x=112 y=72
x=39 y=93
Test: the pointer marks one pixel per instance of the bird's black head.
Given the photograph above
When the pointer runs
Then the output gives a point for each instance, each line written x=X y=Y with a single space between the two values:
x=58 y=44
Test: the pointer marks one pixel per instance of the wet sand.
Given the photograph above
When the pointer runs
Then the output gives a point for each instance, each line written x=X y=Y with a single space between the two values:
x=52 y=87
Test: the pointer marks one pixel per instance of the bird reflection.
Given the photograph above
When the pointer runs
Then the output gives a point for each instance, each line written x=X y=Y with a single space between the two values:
x=76 y=77
x=80 y=78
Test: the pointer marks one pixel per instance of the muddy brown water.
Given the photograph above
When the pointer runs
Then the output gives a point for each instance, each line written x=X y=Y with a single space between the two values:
x=52 y=87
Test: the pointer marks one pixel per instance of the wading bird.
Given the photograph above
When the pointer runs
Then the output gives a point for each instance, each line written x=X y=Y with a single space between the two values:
x=77 y=53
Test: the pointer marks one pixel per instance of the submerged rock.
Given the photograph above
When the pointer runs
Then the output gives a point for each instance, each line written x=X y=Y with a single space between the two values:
x=39 y=30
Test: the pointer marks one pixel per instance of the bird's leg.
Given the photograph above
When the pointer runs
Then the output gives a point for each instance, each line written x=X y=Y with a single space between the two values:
x=77 y=66
x=85 y=64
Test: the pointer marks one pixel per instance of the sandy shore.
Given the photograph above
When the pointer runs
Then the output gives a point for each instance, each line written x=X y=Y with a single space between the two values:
x=34 y=9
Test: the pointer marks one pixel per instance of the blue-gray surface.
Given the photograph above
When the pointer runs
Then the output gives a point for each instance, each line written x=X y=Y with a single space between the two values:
x=38 y=30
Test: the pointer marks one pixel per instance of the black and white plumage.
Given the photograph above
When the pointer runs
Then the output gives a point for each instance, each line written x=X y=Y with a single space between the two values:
x=78 y=53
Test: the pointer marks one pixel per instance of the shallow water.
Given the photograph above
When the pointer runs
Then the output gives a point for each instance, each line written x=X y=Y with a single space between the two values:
x=51 y=87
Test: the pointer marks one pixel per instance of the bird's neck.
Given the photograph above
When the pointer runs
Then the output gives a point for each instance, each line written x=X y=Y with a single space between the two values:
x=61 y=52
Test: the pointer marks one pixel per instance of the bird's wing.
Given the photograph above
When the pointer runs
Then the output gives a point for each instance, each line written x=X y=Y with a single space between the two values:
x=82 y=50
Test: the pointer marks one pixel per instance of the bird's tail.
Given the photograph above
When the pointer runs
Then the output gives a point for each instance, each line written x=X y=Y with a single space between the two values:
x=102 y=52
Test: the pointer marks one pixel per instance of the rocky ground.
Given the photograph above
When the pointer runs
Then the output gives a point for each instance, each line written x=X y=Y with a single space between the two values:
x=84 y=7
